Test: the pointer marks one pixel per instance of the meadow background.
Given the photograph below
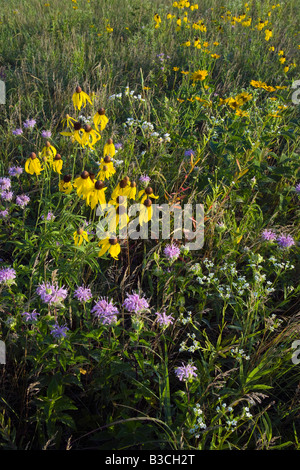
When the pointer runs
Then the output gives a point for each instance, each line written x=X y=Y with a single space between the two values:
x=215 y=372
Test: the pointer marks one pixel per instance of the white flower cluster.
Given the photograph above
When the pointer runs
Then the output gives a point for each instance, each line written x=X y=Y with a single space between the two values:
x=239 y=354
x=187 y=319
x=200 y=424
x=273 y=322
x=194 y=346
x=281 y=266
x=231 y=420
x=126 y=93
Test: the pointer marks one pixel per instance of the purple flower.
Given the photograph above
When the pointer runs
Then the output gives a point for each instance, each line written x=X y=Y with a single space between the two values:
x=30 y=316
x=29 y=123
x=83 y=294
x=105 y=311
x=172 y=251
x=144 y=179
x=7 y=195
x=4 y=214
x=22 y=200
x=297 y=188
x=50 y=216
x=59 y=332
x=285 y=241
x=118 y=146
x=268 y=235
x=5 y=184
x=46 y=134
x=164 y=320
x=15 y=171
x=189 y=153
x=7 y=276
x=17 y=131
x=51 y=294
x=186 y=372
x=135 y=303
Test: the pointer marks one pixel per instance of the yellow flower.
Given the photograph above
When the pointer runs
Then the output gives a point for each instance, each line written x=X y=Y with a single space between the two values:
x=215 y=56
x=100 y=120
x=242 y=98
x=132 y=190
x=282 y=59
x=122 y=188
x=199 y=75
x=75 y=134
x=106 y=168
x=80 y=98
x=241 y=113
x=109 y=148
x=157 y=20
x=184 y=73
x=79 y=236
x=89 y=137
x=268 y=34
x=48 y=151
x=96 y=195
x=65 y=186
x=186 y=44
x=146 y=212
x=68 y=121
x=146 y=193
x=83 y=184
x=286 y=69
x=111 y=246
x=175 y=69
x=33 y=165
x=57 y=163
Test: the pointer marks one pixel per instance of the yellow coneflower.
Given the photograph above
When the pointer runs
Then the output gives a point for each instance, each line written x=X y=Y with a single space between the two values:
x=146 y=193
x=146 y=212
x=96 y=195
x=68 y=121
x=33 y=165
x=48 y=151
x=76 y=134
x=79 y=236
x=157 y=20
x=111 y=246
x=268 y=34
x=83 y=184
x=106 y=168
x=109 y=148
x=65 y=186
x=122 y=188
x=132 y=190
x=89 y=137
x=57 y=163
x=80 y=98
x=100 y=120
